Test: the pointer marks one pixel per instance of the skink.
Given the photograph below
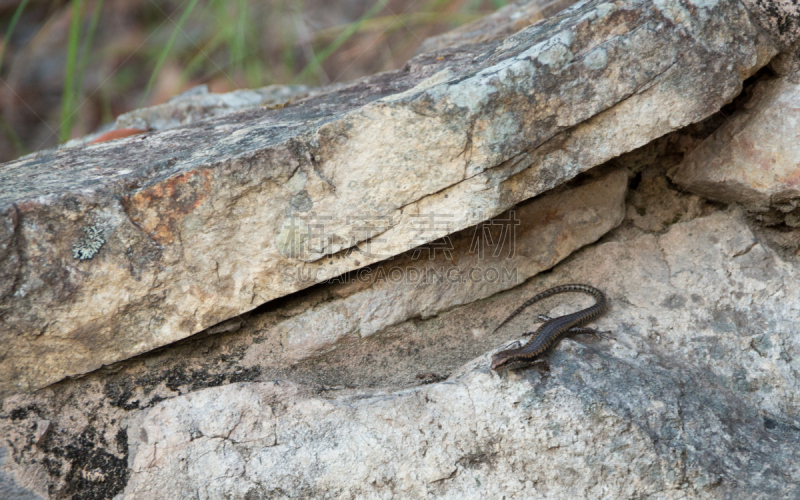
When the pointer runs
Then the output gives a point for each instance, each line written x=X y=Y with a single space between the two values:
x=552 y=331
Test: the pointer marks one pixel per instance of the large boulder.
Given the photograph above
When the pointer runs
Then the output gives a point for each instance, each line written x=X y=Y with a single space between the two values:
x=113 y=249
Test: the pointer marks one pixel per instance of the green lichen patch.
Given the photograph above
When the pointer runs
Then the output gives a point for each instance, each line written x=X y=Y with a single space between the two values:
x=88 y=246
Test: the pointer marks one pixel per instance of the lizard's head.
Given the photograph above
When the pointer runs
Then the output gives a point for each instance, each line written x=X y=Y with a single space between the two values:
x=501 y=360
x=510 y=359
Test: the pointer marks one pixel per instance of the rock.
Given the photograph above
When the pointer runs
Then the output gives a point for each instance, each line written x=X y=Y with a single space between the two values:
x=459 y=269
x=42 y=427
x=780 y=19
x=112 y=250
x=9 y=487
x=696 y=397
x=753 y=159
x=198 y=104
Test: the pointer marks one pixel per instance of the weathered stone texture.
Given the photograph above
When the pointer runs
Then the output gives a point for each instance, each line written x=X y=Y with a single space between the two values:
x=661 y=410
x=467 y=266
x=198 y=222
x=378 y=388
x=703 y=360
x=752 y=159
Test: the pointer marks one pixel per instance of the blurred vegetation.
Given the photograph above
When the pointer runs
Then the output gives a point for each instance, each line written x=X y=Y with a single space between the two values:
x=67 y=67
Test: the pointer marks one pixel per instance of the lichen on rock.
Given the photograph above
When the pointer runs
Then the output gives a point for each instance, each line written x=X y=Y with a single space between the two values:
x=88 y=246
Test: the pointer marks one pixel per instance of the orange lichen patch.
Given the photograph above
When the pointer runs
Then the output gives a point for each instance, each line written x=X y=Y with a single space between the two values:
x=159 y=209
x=118 y=134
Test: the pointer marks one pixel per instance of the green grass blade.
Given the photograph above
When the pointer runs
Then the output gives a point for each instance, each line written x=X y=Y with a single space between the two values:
x=11 y=27
x=336 y=43
x=239 y=38
x=86 y=50
x=68 y=99
x=166 y=50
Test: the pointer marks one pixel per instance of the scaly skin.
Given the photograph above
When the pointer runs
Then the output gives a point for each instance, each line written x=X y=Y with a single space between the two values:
x=551 y=332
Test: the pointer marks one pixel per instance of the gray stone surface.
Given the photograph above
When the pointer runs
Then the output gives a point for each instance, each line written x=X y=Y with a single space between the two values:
x=462 y=268
x=115 y=249
x=697 y=397
x=381 y=388
x=9 y=489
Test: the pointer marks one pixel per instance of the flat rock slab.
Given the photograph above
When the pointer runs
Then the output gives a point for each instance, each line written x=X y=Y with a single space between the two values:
x=113 y=249
x=697 y=397
x=467 y=266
